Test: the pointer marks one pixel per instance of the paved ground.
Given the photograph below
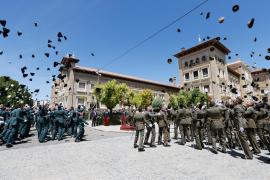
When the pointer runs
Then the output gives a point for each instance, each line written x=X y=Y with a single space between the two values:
x=107 y=157
x=90 y=135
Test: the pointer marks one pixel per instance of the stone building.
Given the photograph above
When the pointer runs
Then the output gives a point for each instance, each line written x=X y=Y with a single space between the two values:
x=245 y=89
x=78 y=84
x=262 y=78
x=204 y=66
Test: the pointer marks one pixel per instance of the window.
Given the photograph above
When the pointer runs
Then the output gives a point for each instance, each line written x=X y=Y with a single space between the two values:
x=186 y=64
x=197 y=61
x=206 y=88
x=204 y=58
x=81 y=86
x=92 y=86
x=191 y=63
x=262 y=91
x=187 y=76
x=196 y=74
x=205 y=72
x=80 y=101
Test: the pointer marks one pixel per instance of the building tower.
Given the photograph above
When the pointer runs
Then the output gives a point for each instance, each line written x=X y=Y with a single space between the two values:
x=204 y=67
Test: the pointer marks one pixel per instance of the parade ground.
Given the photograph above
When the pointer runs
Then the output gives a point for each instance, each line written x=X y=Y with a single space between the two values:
x=108 y=154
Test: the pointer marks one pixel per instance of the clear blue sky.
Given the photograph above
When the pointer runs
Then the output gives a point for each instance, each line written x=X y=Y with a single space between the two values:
x=109 y=27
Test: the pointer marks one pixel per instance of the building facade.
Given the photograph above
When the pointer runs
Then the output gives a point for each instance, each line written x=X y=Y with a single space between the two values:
x=78 y=83
x=204 y=67
x=262 y=78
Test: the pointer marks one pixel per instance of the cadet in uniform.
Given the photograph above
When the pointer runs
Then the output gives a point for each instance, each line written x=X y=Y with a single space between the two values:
x=150 y=127
x=185 y=116
x=241 y=125
x=139 y=121
x=262 y=125
x=198 y=122
x=251 y=116
x=60 y=116
x=215 y=116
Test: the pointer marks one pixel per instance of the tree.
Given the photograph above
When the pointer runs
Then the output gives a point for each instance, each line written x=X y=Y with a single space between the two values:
x=111 y=93
x=157 y=104
x=182 y=98
x=147 y=98
x=195 y=96
x=173 y=101
x=13 y=93
x=136 y=100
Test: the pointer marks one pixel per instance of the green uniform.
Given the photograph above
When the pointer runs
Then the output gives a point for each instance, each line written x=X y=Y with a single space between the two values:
x=150 y=127
x=262 y=123
x=185 y=116
x=139 y=121
x=198 y=122
x=215 y=116
x=60 y=117
x=163 y=124
x=251 y=116
x=241 y=125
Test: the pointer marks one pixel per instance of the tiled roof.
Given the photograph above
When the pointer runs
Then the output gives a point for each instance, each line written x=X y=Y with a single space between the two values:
x=212 y=42
x=121 y=76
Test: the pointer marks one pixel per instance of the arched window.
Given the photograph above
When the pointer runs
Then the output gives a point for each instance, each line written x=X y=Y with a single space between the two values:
x=197 y=61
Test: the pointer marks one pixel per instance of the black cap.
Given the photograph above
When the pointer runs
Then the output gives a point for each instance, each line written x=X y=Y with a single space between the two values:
x=35 y=24
x=178 y=30
x=221 y=20
x=32 y=74
x=251 y=23
x=47 y=54
x=3 y=23
x=169 y=61
x=92 y=54
x=59 y=35
x=207 y=15
x=235 y=8
x=33 y=56
x=19 y=33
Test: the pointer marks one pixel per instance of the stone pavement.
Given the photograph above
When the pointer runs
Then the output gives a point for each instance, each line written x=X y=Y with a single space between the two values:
x=90 y=135
x=115 y=158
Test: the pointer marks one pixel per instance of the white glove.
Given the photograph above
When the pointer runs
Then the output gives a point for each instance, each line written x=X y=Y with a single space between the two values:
x=241 y=129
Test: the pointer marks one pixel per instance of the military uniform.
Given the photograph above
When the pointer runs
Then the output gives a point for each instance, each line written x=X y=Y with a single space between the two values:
x=176 y=124
x=185 y=116
x=139 y=121
x=251 y=116
x=241 y=123
x=262 y=123
x=163 y=124
x=60 y=117
x=229 y=128
x=81 y=122
x=198 y=122
x=150 y=127
x=215 y=116
x=11 y=135
x=42 y=124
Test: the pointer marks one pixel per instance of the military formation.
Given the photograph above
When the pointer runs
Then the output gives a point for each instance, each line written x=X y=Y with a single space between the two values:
x=219 y=126
x=51 y=123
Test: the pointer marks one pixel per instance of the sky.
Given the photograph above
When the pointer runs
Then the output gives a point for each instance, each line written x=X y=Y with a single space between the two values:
x=108 y=28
